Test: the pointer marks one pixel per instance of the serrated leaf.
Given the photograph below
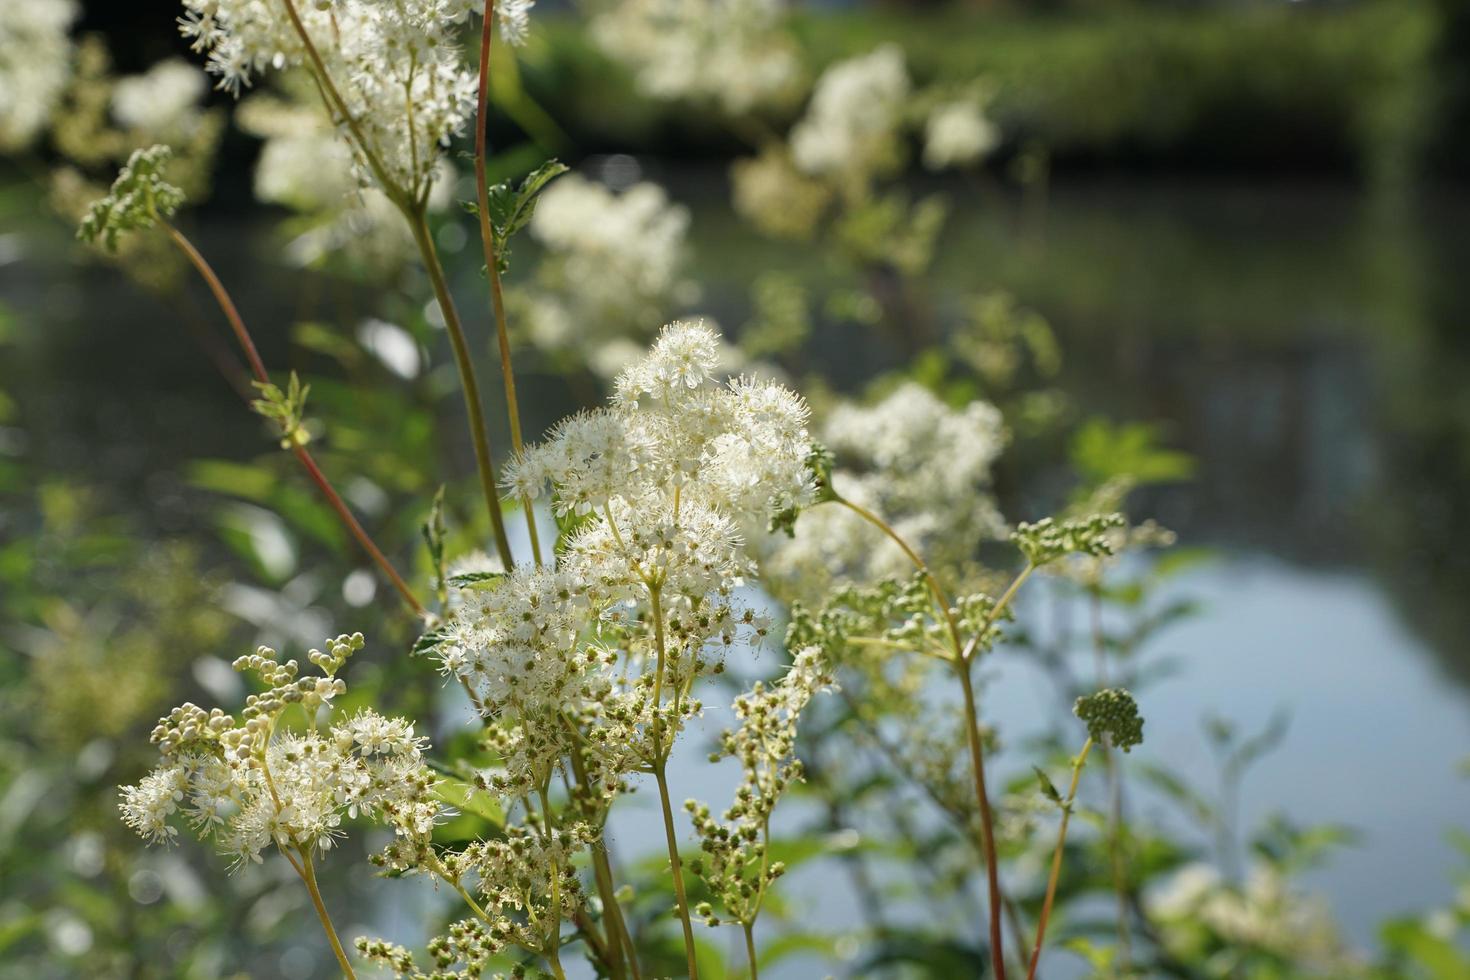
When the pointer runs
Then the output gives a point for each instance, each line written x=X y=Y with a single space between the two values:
x=429 y=642
x=1048 y=789
x=466 y=580
x=511 y=208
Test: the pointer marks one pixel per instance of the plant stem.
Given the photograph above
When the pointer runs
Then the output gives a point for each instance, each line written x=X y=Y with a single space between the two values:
x=676 y=865
x=308 y=875
x=963 y=654
x=660 y=766
x=750 y=949
x=617 y=941
x=1115 y=789
x=468 y=384
x=257 y=367
x=1056 y=858
x=939 y=594
x=987 y=821
x=492 y=262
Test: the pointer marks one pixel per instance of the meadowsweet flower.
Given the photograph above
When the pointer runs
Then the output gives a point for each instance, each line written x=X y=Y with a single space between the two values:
x=776 y=197
x=163 y=101
x=393 y=70
x=138 y=199
x=615 y=261
x=35 y=64
x=733 y=54
x=855 y=116
x=662 y=489
x=957 y=134
x=734 y=848
x=250 y=787
x=924 y=466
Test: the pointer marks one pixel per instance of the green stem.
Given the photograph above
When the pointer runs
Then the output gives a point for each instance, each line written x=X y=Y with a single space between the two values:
x=962 y=657
x=660 y=766
x=468 y=384
x=1056 y=858
x=492 y=261
x=750 y=949
x=677 y=866
x=987 y=821
x=308 y=875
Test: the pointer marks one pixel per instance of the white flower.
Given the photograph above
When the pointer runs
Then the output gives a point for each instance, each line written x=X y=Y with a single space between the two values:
x=732 y=53
x=515 y=20
x=922 y=465
x=162 y=101
x=396 y=69
x=957 y=134
x=35 y=64
x=615 y=263
x=852 y=123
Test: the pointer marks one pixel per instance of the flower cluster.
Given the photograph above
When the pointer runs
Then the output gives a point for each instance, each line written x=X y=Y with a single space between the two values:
x=249 y=786
x=304 y=165
x=1048 y=539
x=139 y=198
x=924 y=466
x=957 y=133
x=735 y=862
x=855 y=117
x=390 y=74
x=1111 y=715
x=35 y=64
x=659 y=491
x=615 y=262
x=732 y=53
x=164 y=100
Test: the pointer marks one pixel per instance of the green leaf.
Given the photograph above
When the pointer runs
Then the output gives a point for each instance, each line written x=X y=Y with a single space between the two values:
x=466 y=580
x=1048 y=789
x=511 y=209
x=428 y=642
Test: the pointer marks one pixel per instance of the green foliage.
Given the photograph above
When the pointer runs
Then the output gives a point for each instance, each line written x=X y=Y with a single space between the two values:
x=286 y=409
x=511 y=207
x=1048 y=539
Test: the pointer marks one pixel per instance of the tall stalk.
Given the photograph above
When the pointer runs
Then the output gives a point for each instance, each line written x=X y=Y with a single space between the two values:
x=308 y=875
x=412 y=208
x=257 y=367
x=492 y=262
x=964 y=654
x=471 y=388
x=1056 y=858
x=660 y=774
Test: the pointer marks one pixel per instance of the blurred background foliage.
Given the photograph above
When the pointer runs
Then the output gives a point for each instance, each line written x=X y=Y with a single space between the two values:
x=1217 y=255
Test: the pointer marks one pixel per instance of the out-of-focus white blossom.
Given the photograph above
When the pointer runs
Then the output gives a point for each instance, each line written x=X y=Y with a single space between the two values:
x=35 y=63
x=303 y=165
x=853 y=123
x=732 y=53
x=958 y=134
x=923 y=466
x=616 y=262
x=1265 y=913
x=163 y=101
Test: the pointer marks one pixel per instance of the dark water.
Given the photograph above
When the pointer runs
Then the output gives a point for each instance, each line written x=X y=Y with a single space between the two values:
x=1307 y=344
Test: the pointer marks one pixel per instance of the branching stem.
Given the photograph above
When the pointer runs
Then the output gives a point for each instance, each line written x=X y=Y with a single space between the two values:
x=257 y=367
x=1056 y=858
